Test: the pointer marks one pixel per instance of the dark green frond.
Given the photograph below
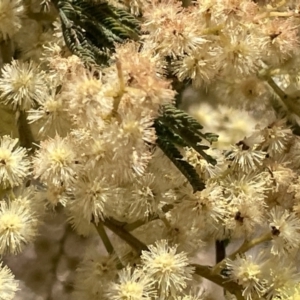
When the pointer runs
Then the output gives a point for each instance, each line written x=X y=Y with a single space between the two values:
x=80 y=46
x=90 y=28
x=122 y=24
x=175 y=128
x=184 y=167
x=164 y=131
x=170 y=111
x=188 y=129
x=211 y=137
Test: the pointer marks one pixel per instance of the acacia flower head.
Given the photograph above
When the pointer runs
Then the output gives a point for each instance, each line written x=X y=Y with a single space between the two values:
x=91 y=192
x=143 y=197
x=18 y=226
x=93 y=275
x=14 y=164
x=78 y=222
x=244 y=216
x=203 y=207
x=246 y=157
x=126 y=143
x=282 y=38
x=185 y=234
x=146 y=87
x=51 y=112
x=241 y=51
x=180 y=35
x=56 y=161
x=247 y=92
x=282 y=277
x=199 y=66
x=285 y=228
x=277 y=137
x=8 y=284
x=52 y=195
x=195 y=294
x=169 y=269
x=160 y=13
x=11 y=12
x=89 y=101
x=133 y=284
x=247 y=271
x=21 y=84
x=231 y=11
x=248 y=188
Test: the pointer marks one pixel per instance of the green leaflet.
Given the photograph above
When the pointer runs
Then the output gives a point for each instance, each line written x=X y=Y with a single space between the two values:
x=91 y=29
x=176 y=128
x=183 y=166
x=185 y=126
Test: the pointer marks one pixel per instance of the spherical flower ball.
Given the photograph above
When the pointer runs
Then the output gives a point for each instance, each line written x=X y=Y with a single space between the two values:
x=56 y=162
x=133 y=284
x=8 y=284
x=169 y=269
x=11 y=12
x=22 y=84
x=18 y=226
x=14 y=164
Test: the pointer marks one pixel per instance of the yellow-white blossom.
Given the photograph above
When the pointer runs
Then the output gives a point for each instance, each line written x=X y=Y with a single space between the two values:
x=11 y=13
x=133 y=284
x=8 y=284
x=22 y=84
x=56 y=161
x=18 y=225
x=171 y=270
x=14 y=163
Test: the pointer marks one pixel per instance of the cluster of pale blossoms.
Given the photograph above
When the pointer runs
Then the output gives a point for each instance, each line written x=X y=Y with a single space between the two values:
x=96 y=153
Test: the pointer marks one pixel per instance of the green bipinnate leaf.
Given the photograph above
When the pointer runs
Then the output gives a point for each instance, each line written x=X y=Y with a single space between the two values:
x=90 y=29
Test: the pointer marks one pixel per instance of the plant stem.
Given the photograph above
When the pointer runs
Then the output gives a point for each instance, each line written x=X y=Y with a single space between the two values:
x=220 y=250
x=6 y=50
x=232 y=287
x=107 y=243
x=41 y=16
x=118 y=98
x=204 y=271
x=244 y=248
x=247 y=245
x=152 y=217
x=134 y=225
x=25 y=133
x=126 y=236
x=282 y=95
x=291 y=103
x=104 y=237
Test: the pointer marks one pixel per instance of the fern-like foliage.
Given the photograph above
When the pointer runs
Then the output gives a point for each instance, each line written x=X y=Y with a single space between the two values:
x=90 y=28
x=166 y=133
x=188 y=128
x=183 y=166
x=176 y=128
